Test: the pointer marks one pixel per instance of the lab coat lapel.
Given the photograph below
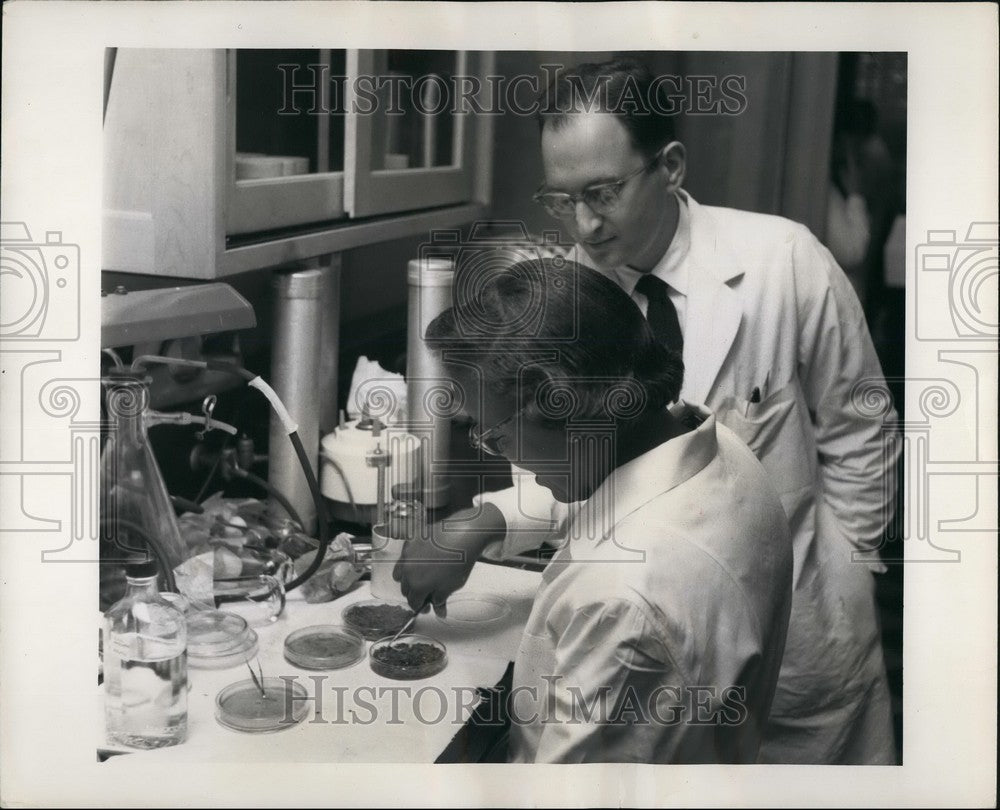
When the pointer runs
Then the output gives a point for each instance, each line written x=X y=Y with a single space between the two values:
x=713 y=306
x=642 y=479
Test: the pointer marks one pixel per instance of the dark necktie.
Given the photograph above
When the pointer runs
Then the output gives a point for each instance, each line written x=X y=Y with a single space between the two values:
x=661 y=313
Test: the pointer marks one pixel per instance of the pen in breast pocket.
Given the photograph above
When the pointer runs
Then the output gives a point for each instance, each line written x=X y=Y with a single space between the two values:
x=754 y=399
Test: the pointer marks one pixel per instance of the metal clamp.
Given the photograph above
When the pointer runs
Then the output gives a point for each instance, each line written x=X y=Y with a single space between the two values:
x=207 y=408
x=379 y=459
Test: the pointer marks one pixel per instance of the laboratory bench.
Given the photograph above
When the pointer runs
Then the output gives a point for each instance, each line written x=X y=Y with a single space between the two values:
x=354 y=715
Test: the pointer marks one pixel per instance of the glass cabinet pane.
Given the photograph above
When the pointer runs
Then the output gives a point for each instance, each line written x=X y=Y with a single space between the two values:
x=287 y=120
x=320 y=134
x=287 y=116
x=415 y=127
x=414 y=148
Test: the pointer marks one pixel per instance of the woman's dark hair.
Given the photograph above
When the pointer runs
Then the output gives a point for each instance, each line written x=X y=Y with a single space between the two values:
x=563 y=340
x=623 y=87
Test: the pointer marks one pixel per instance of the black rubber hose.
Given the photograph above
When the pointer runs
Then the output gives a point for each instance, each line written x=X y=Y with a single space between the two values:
x=273 y=491
x=321 y=518
x=184 y=505
x=324 y=527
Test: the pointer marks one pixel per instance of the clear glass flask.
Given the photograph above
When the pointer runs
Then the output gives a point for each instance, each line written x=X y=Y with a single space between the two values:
x=137 y=517
x=145 y=665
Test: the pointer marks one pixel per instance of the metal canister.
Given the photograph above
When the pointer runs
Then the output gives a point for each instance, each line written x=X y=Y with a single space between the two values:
x=295 y=369
x=428 y=389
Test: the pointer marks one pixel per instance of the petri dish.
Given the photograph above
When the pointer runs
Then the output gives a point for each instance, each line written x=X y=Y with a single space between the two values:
x=242 y=707
x=227 y=658
x=211 y=632
x=324 y=646
x=473 y=610
x=375 y=619
x=408 y=658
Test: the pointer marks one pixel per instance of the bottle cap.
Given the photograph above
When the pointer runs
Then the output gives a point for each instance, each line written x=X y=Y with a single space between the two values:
x=141 y=568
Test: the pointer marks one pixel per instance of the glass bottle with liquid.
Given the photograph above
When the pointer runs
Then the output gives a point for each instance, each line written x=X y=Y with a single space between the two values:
x=145 y=665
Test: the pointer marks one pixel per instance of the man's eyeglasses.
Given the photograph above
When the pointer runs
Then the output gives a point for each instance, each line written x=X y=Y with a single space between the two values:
x=490 y=441
x=601 y=198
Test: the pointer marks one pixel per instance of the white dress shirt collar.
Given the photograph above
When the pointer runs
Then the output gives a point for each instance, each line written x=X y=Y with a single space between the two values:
x=671 y=267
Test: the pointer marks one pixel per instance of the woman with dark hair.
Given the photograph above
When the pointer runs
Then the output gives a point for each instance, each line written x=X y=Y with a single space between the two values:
x=553 y=349
x=658 y=630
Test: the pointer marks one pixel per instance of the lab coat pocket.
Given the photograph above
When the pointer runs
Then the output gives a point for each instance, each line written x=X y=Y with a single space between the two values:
x=777 y=429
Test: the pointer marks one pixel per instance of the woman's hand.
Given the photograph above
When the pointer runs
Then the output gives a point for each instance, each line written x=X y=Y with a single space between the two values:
x=432 y=568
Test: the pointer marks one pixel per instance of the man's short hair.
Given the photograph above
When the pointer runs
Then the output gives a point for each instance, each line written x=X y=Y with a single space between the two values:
x=622 y=87
x=563 y=340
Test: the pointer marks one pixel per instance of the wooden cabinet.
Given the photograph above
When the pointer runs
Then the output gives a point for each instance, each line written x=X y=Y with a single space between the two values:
x=217 y=162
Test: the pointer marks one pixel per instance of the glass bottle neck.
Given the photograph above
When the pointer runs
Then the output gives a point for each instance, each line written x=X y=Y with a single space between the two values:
x=127 y=402
x=129 y=429
x=141 y=586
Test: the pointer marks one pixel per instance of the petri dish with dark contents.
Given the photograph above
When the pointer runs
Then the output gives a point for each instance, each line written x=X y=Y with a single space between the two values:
x=408 y=658
x=375 y=619
x=324 y=646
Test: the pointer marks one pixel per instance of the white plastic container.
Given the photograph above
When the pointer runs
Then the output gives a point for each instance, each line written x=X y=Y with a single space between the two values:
x=344 y=473
x=386 y=552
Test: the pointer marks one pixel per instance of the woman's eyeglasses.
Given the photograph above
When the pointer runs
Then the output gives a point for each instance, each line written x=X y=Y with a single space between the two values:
x=490 y=441
x=601 y=198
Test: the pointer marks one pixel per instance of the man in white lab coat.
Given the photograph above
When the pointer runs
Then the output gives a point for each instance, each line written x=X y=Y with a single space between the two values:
x=775 y=344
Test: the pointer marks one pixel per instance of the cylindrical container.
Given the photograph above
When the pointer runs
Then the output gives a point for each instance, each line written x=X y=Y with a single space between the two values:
x=404 y=520
x=350 y=482
x=329 y=343
x=256 y=167
x=145 y=665
x=429 y=392
x=294 y=164
x=394 y=160
x=386 y=552
x=295 y=366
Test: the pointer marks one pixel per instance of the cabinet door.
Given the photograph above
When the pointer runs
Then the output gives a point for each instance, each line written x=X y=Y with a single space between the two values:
x=286 y=138
x=164 y=162
x=409 y=136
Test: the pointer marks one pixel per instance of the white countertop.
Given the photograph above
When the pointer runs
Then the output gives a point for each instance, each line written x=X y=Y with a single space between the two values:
x=358 y=716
